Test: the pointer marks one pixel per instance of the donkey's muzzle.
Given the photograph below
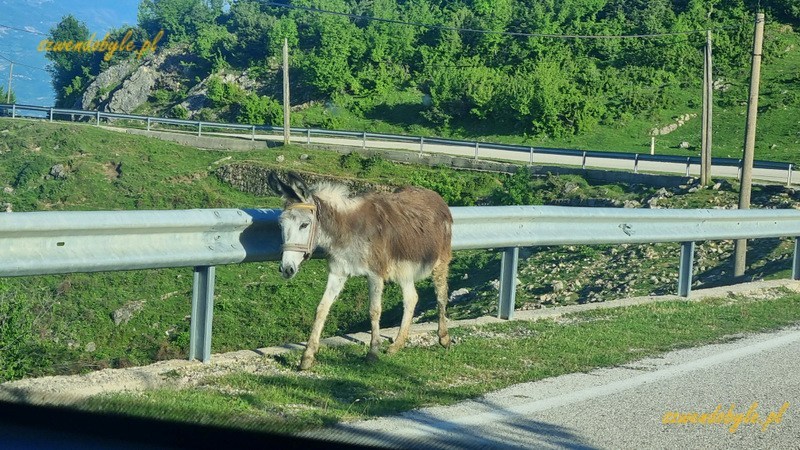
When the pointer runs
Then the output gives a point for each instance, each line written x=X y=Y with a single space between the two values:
x=288 y=271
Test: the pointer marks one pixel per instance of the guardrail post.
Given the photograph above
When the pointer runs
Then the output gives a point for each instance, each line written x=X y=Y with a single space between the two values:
x=796 y=260
x=583 y=161
x=14 y=111
x=789 y=176
x=686 y=268
x=364 y=140
x=688 y=164
x=739 y=171
x=98 y=118
x=636 y=163
x=421 y=145
x=202 y=313
x=148 y=124
x=253 y=134
x=508 y=283
x=308 y=136
x=199 y=129
x=51 y=114
x=531 y=159
x=477 y=145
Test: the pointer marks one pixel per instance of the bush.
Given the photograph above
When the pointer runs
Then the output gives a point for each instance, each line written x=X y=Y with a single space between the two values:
x=260 y=110
x=179 y=112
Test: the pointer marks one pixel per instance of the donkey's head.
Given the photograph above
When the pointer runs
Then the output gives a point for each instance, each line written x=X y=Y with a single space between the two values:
x=299 y=222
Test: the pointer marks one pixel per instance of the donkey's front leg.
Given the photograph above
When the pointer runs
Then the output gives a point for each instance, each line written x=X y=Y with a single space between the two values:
x=335 y=285
x=410 y=298
x=375 y=298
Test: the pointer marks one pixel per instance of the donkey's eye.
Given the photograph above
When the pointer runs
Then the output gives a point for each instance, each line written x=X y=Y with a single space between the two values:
x=304 y=225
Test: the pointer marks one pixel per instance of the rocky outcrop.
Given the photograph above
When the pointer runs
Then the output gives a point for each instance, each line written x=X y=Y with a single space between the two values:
x=107 y=82
x=126 y=86
x=253 y=179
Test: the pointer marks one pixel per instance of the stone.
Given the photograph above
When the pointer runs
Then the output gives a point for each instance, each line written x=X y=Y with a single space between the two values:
x=280 y=158
x=58 y=172
x=127 y=312
x=684 y=145
x=8 y=190
x=90 y=347
x=304 y=157
x=459 y=294
x=558 y=286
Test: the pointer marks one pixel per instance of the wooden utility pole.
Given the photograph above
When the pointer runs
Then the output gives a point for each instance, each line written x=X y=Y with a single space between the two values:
x=749 y=140
x=10 y=72
x=708 y=108
x=286 y=121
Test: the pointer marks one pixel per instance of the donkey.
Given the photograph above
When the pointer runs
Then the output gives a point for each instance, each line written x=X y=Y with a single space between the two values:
x=402 y=236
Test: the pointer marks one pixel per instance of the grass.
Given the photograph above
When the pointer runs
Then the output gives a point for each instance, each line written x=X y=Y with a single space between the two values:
x=68 y=318
x=343 y=387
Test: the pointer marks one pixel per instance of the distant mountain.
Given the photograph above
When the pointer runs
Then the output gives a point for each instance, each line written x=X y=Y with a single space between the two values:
x=33 y=86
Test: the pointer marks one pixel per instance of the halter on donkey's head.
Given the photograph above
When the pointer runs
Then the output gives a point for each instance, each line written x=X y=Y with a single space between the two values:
x=308 y=247
x=298 y=197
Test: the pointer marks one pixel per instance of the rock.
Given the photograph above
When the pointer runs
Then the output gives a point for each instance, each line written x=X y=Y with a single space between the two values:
x=8 y=207
x=558 y=286
x=303 y=156
x=459 y=294
x=127 y=311
x=716 y=186
x=134 y=91
x=280 y=158
x=495 y=284
x=58 y=172
x=631 y=204
x=684 y=145
x=570 y=188
x=90 y=347
x=104 y=85
x=8 y=190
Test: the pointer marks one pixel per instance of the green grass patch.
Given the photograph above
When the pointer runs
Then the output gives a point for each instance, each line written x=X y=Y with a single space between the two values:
x=342 y=386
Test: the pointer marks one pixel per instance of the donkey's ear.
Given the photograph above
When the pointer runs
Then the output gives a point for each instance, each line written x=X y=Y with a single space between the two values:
x=299 y=187
x=281 y=188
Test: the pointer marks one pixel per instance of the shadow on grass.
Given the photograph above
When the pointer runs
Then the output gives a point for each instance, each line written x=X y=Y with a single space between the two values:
x=503 y=428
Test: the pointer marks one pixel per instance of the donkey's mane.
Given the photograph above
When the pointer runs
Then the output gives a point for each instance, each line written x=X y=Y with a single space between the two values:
x=337 y=195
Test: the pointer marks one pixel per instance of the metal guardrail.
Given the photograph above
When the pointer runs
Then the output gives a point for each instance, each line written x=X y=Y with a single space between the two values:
x=14 y=111
x=38 y=243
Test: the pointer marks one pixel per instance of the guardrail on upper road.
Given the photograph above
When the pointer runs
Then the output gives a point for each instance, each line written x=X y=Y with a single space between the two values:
x=633 y=161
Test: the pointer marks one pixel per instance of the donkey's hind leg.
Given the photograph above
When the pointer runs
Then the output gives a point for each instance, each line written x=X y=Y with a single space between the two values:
x=334 y=286
x=375 y=298
x=410 y=298
x=440 y=271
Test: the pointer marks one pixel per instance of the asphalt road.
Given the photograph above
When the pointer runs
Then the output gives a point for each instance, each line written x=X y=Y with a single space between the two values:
x=771 y=175
x=624 y=407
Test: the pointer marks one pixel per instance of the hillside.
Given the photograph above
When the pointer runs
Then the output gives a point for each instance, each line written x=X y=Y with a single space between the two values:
x=79 y=322
x=350 y=72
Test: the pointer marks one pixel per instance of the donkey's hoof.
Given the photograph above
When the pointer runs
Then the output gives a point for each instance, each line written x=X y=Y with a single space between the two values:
x=372 y=357
x=445 y=341
x=393 y=349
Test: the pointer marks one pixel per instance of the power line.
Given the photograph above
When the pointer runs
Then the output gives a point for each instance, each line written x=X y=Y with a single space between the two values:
x=21 y=64
x=24 y=30
x=481 y=31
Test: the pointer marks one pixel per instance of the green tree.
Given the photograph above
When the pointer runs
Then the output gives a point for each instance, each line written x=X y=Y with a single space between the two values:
x=70 y=70
x=181 y=20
